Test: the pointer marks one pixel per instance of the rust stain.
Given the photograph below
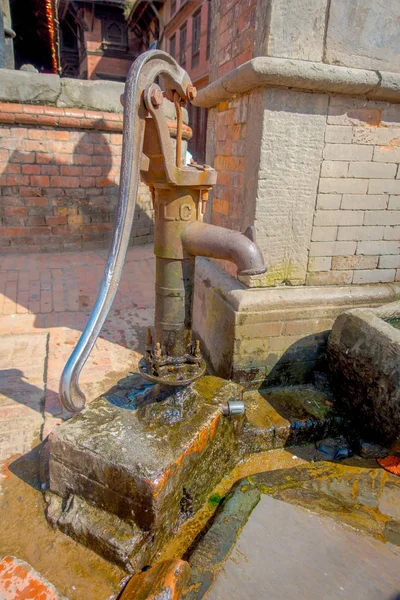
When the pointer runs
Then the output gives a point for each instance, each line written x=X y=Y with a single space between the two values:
x=199 y=444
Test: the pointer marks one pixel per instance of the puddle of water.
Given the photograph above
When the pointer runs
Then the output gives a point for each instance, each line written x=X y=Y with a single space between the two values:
x=74 y=570
x=394 y=322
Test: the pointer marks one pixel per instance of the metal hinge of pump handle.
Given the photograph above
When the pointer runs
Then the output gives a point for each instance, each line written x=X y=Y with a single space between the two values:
x=177 y=84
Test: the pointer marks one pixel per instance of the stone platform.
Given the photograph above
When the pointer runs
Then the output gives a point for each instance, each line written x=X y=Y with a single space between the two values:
x=122 y=479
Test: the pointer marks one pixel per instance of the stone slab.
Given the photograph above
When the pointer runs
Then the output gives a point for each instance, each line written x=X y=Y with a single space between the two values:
x=286 y=552
x=292 y=142
x=297 y=30
x=364 y=34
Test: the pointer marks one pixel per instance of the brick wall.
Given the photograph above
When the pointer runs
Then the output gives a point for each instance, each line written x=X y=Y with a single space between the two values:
x=356 y=231
x=233 y=35
x=59 y=176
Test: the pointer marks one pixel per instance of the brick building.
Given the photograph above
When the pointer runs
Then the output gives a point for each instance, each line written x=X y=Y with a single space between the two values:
x=186 y=36
x=100 y=39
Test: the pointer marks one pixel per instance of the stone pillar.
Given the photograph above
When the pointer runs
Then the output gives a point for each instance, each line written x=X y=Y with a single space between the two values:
x=304 y=123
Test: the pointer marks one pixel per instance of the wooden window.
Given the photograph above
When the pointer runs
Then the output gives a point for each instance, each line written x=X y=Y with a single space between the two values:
x=173 y=7
x=114 y=35
x=196 y=30
x=172 y=46
x=182 y=45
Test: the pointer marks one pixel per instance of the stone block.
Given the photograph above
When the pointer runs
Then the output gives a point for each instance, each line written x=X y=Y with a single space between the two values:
x=374 y=276
x=330 y=278
x=320 y=263
x=297 y=30
x=31 y=88
x=360 y=233
x=330 y=218
x=336 y=134
x=328 y=201
x=389 y=262
x=392 y=233
x=324 y=234
x=331 y=168
x=381 y=136
x=382 y=217
x=372 y=170
x=364 y=357
x=383 y=247
x=343 y=186
x=394 y=203
x=363 y=34
x=147 y=469
x=332 y=248
x=363 y=202
x=291 y=149
x=354 y=262
x=347 y=152
x=387 y=154
x=384 y=186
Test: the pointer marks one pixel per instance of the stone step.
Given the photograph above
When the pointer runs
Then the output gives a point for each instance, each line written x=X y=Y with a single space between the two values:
x=287 y=416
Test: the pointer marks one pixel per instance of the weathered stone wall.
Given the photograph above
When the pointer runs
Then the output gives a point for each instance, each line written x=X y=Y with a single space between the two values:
x=356 y=230
x=59 y=178
x=305 y=135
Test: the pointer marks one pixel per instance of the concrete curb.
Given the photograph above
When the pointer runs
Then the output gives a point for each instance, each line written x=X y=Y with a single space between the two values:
x=301 y=75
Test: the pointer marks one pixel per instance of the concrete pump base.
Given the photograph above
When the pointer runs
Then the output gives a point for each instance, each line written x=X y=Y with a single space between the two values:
x=123 y=479
x=271 y=336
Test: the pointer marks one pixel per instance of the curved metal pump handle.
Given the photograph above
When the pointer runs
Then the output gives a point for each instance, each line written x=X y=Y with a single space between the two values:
x=142 y=73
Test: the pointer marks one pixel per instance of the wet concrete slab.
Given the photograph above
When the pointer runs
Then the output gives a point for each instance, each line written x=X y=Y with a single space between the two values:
x=284 y=551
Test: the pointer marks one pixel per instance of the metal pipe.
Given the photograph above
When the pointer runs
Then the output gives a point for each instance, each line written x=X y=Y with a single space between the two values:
x=203 y=239
x=143 y=72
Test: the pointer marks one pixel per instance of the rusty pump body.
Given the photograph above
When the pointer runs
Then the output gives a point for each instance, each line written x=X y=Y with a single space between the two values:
x=180 y=193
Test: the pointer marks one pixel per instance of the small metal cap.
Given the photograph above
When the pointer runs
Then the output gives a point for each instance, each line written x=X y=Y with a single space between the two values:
x=234 y=408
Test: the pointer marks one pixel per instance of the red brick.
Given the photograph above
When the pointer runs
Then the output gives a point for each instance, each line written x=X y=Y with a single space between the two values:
x=40 y=180
x=26 y=119
x=53 y=111
x=32 y=110
x=71 y=170
x=75 y=113
x=40 y=230
x=7 y=118
x=15 y=210
x=69 y=122
x=10 y=107
x=17 y=179
x=12 y=168
x=31 y=169
x=60 y=220
x=36 y=201
x=44 y=159
x=36 y=134
x=68 y=182
x=48 y=120
x=16 y=231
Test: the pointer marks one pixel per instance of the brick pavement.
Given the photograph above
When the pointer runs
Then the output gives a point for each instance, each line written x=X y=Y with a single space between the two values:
x=45 y=301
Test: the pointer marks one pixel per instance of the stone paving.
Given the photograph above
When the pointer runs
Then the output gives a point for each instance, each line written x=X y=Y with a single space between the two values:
x=45 y=301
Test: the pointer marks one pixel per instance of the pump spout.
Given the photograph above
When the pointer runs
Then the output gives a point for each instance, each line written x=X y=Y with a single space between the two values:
x=203 y=239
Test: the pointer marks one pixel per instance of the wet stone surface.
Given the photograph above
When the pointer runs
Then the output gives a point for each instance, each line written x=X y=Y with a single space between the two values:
x=148 y=468
x=278 y=417
x=294 y=543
